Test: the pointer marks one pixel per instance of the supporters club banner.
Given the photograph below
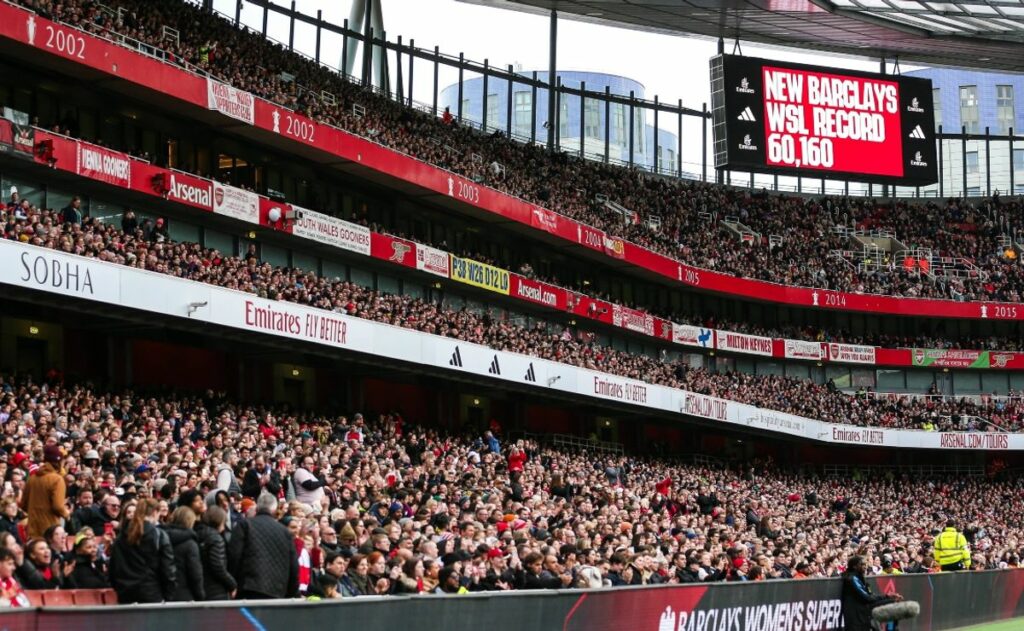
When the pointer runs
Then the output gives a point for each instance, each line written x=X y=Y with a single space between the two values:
x=331 y=231
x=850 y=353
x=950 y=358
x=800 y=349
x=99 y=163
x=633 y=320
x=537 y=292
x=480 y=275
x=743 y=343
x=236 y=203
x=230 y=101
x=693 y=336
x=432 y=260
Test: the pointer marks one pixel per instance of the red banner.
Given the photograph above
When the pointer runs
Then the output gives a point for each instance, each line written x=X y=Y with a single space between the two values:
x=389 y=248
x=174 y=186
x=615 y=247
x=545 y=220
x=100 y=163
x=638 y=321
x=537 y=292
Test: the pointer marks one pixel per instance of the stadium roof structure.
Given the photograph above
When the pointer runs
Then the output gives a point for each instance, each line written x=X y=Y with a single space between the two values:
x=983 y=34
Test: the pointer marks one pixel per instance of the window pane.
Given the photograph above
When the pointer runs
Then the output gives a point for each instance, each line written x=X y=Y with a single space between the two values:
x=969 y=108
x=937 y=105
x=972 y=161
x=492 y=110
x=219 y=241
x=522 y=112
x=362 y=277
x=303 y=261
x=274 y=255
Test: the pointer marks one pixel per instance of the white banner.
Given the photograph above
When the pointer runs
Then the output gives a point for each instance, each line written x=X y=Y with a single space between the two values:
x=230 y=101
x=633 y=320
x=33 y=268
x=743 y=343
x=693 y=336
x=801 y=349
x=851 y=353
x=235 y=202
x=332 y=231
x=432 y=260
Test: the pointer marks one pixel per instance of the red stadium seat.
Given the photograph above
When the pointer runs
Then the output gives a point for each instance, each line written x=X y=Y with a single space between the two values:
x=91 y=597
x=109 y=596
x=35 y=597
x=57 y=598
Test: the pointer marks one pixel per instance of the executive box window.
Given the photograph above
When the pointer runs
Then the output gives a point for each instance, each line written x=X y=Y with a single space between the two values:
x=972 y=162
x=937 y=106
x=969 y=108
x=1004 y=109
x=493 y=107
x=523 y=112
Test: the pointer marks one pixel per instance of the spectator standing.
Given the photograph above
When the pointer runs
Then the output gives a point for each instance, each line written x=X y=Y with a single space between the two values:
x=262 y=555
x=89 y=572
x=261 y=476
x=217 y=581
x=44 y=494
x=951 y=550
x=188 y=565
x=308 y=488
x=142 y=560
x=72 y=213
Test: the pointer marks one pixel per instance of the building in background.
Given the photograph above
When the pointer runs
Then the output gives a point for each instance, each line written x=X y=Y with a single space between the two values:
x=529 y=115
x=979 y=103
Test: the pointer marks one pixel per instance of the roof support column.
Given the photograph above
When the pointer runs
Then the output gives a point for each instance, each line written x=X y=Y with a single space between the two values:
x=552 y=59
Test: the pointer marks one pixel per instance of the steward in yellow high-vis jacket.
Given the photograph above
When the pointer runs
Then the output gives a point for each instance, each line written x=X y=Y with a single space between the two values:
x=951 y=550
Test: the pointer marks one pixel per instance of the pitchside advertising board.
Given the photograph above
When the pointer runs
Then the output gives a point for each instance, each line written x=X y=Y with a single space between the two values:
x=794 y=119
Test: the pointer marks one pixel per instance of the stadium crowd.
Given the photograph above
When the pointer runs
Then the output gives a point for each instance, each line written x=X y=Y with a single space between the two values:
x=147 y=245
x=179 y=497
x=675 y=217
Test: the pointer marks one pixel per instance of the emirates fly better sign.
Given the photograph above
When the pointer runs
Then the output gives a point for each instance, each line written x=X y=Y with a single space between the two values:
x=819 y=122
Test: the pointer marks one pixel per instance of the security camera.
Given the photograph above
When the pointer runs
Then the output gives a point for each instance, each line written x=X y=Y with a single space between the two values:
x=192 y=306
x=552 y=380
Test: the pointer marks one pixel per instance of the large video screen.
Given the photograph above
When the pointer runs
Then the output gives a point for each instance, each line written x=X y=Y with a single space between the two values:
x=794 y=119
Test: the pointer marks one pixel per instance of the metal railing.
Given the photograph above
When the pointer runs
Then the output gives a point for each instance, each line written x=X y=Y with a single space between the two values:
x=847 y=471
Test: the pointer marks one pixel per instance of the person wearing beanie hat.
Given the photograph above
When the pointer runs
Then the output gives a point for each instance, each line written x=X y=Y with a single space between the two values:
x=44 y=495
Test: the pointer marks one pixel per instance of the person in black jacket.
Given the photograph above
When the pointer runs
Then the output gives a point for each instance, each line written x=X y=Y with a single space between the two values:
x=187 y=563
x=260 y=477
x=217 y=581
x=534 y=577
x=89 y=572
x=858 y=600
x=142 y=559
x=262 y=555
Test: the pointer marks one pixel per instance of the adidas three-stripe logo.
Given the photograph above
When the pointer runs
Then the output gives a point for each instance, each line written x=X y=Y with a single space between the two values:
x=747 y=115
x=530 y=375
x=456 y=359
x=918 y=133
x=495 y=369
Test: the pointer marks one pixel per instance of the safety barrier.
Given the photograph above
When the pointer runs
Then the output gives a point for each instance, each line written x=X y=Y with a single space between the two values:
x=947 y=601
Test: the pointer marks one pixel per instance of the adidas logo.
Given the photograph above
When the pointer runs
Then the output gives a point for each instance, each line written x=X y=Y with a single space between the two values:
x=494 y=369
x=747 y=115
x=918 y=133
x=530 y=375
x=456 y=359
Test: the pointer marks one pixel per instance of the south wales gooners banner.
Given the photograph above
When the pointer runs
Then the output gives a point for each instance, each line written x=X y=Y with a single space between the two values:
x=821 y=122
